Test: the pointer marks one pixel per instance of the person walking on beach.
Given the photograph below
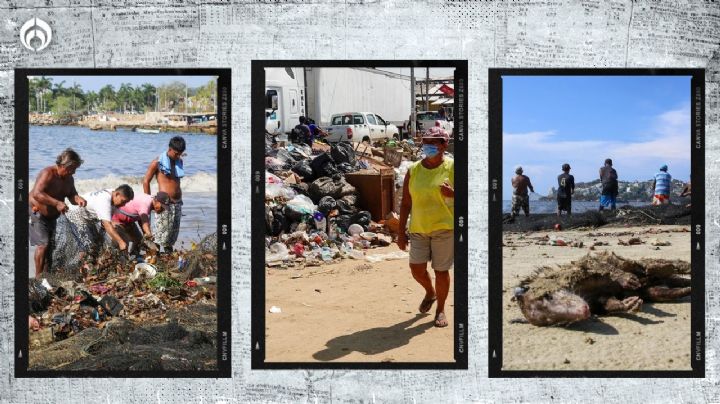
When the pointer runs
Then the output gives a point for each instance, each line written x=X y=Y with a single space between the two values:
x=428 y=197
x=521 y=198
x=609 y=181
x=47 y=202
x=661 y=184
x=99 y=208
x=137 y=211
x=168 y=168
x=566 y=188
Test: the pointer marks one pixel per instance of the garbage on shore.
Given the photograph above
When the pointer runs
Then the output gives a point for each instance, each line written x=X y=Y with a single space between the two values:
x=143 y=299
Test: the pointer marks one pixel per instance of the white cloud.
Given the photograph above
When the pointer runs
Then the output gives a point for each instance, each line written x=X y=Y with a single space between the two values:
x=541 y=153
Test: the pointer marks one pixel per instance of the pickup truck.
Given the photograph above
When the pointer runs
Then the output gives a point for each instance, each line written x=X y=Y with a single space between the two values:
x=356 y=126
x=426 y=120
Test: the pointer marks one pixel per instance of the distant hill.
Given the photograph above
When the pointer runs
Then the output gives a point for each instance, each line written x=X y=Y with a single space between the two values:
x=628 y=191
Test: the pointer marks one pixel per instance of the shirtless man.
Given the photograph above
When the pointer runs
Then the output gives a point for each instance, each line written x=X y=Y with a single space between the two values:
x=520 y=198
x=168 y=168
x=47 y=203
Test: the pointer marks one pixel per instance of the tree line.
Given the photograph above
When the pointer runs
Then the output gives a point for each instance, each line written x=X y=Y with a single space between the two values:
x=63 y=98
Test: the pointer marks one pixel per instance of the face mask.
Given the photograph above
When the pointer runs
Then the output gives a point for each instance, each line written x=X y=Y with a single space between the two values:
x=430 y=150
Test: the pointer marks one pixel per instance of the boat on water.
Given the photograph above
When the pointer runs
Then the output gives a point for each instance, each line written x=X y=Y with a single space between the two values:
x=143 y=130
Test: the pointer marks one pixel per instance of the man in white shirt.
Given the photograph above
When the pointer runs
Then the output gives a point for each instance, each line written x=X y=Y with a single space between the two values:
x=99 y=208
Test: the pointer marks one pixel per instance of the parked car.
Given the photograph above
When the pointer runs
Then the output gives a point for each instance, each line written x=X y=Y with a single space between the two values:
x=427 y=119
x=356 y=126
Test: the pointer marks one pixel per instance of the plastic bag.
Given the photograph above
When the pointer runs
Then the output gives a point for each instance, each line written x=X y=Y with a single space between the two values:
x=345 y=207
x=278 y=190
x=343 y=152
x=343 y=222
x=301 y=203
x=327 y=204
x=271 y=178
x=323 y=166
x=362 y=218
x=303 y=169
x=346 y=188
x=324 y=186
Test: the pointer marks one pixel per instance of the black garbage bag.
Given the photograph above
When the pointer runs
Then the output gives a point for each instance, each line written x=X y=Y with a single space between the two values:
x=362 y=218
x=301 y=188
x=343 y=152
x=298 y=155
x=326 y=205
x=350 y=199
x=345 y=208
x=285 y=156
x=303 y=169
x=38 y=297
x=323 y=166
x=346 y=189
x=292 y=215
x=324 y=186
x=346 y=168
x=275 y=221
x=342 y=222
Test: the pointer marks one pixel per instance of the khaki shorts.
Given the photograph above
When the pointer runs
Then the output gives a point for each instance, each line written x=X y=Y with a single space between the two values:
x=438 y=247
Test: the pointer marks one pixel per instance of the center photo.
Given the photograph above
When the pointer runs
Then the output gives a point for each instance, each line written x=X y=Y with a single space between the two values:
x=356 y=235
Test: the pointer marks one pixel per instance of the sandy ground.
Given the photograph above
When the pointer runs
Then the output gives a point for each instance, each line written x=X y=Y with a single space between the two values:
x=656 y=338
x=353 y=311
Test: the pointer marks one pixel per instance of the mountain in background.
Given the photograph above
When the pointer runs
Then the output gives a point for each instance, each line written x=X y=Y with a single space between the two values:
x=628 y=191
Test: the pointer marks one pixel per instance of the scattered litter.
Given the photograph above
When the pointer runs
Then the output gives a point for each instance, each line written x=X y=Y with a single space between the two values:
x=632 y=241
x=397 y=255
x=658 y=243
x=143 y=271
x=275 y=310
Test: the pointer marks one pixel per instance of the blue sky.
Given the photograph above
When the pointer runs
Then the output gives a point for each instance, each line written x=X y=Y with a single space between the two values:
x=640 y=122
x=95 y=83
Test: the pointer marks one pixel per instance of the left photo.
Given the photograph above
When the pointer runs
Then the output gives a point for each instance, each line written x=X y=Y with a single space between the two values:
x=117 y=219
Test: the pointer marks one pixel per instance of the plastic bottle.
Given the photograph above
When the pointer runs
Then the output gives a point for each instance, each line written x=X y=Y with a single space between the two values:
x=320 y=221
x=326 y=254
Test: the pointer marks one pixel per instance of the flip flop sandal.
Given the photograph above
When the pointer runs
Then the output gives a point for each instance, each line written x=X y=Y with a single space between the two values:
x=441 y=320
x=426 y=304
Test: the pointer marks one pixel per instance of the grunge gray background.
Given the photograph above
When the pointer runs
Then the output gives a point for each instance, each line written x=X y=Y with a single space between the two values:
x=231 y=33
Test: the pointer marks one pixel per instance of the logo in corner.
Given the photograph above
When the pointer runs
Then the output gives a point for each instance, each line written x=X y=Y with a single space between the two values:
x=35 y=30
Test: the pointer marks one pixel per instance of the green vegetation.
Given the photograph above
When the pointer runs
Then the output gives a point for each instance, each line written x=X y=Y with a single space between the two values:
x=163 y=281
x=59 y=99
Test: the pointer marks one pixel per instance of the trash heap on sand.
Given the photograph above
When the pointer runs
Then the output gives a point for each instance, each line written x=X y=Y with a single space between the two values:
x=314 y=215
x=128 y=315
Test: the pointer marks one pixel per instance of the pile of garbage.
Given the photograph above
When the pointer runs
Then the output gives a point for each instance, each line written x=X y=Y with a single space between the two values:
x=156 y=312
x=311 y=212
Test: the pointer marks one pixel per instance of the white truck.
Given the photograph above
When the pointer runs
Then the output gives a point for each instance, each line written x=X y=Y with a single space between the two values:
x=427 y=119
x=284 y=99
x=331 y=91
x=357 y=126
x=321 y=92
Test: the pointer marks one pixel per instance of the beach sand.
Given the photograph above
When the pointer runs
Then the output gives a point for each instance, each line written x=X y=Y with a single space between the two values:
x=656 y=338
x=353 y=311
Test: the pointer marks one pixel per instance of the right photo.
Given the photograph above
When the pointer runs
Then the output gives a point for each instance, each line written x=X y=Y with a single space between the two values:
x=597 y=219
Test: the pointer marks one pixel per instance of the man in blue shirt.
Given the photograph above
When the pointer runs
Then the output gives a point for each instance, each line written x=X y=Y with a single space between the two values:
x=661 y=185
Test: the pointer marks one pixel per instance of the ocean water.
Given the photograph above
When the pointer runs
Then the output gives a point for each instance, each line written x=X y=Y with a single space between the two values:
x=577 y=206
x=122 y=157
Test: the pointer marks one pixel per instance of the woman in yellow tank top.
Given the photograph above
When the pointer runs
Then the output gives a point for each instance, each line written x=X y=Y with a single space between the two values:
x=428 y=198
